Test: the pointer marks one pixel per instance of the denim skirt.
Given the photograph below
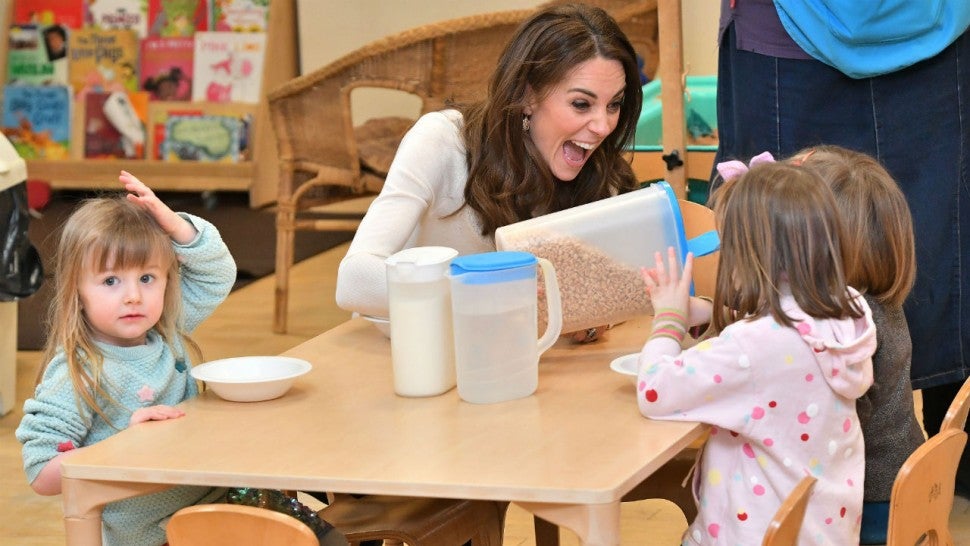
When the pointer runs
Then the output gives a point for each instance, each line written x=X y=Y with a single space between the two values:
x=916 y=122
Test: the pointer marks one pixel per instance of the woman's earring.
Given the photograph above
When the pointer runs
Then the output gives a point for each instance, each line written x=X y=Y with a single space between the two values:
x=525 y=123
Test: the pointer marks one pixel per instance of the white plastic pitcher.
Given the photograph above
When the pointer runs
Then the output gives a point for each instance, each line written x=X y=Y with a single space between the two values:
x=494 y=309
x=419 y=307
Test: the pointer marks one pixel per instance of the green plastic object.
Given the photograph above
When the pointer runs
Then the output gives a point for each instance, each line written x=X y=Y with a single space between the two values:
x=700 y=114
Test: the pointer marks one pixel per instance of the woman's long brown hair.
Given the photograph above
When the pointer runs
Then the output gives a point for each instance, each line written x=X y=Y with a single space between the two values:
x=508 y=179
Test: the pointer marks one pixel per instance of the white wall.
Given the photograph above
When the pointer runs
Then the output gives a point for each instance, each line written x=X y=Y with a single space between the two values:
x=332 y=28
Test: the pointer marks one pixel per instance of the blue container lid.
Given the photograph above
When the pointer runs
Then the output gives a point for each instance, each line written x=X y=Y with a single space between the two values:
x=494 y=267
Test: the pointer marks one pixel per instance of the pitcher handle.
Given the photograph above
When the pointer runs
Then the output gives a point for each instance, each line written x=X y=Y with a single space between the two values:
x=554 y=306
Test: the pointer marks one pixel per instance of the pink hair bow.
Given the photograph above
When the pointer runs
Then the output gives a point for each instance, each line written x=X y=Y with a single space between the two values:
x=733 y=169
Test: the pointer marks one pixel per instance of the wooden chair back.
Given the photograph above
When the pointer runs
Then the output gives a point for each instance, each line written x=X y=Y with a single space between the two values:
x=236 y=525
x=956 y=414
x=784 y=527
x=922 y=496
x=699 y=219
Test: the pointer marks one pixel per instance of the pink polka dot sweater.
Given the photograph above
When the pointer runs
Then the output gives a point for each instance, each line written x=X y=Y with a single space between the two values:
x=781 y=405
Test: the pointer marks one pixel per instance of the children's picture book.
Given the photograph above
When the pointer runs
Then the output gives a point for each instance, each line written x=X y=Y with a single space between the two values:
x=124 y=14
x=36 y=55
x=160 y=111
x=202 y=138
x=165 y=67
x=114 y=124
x=177 y=17
x=69 y=13
x=37 y=120
x=103 y=60
x=228 y=66
x=158 y=114
x=239 y=15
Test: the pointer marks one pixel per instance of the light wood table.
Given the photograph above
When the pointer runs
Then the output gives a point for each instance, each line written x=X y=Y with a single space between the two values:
x=568 y=453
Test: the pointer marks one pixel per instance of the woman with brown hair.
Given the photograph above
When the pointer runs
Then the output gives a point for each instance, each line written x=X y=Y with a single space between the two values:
x=562 y=105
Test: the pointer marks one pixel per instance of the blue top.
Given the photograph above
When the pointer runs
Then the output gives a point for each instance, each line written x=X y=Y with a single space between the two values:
x=55 y=420
x=866 y=39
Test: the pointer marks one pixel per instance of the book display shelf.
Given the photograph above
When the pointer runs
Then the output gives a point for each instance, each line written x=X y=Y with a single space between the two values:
x=257 y=173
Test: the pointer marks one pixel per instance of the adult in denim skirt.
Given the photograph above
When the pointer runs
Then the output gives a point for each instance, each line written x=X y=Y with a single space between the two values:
x=893 y=83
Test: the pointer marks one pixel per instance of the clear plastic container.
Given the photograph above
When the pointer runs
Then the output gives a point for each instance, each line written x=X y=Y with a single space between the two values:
x=598 y=250
x=419 y=302
x=493 y=298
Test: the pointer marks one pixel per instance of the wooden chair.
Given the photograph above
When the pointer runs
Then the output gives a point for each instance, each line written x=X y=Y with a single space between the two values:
x=787 y=522
x=417 y=521
x=236 y=525
x=922 y=495
x=699 y=219
x=324 y=158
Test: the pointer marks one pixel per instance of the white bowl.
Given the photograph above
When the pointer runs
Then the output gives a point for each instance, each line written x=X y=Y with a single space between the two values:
x=382 y=324
x=251 y=378
x=626 y=365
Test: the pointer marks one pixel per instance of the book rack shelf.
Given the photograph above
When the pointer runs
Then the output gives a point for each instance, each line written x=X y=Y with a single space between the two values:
x=258 y=176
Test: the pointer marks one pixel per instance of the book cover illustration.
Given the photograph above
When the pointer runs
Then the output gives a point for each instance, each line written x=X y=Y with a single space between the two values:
x=165 y=67
x=37 y=120
x=122 y=14
x=202 y=138
x=102 y=60
x=228 y=66
x=239 y=15
x=158 y=114
x=177 y=17
x=114 y=125
x=69 y=13
x=37 y=55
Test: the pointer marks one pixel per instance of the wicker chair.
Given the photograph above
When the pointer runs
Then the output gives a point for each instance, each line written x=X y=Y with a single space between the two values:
x=324 y=158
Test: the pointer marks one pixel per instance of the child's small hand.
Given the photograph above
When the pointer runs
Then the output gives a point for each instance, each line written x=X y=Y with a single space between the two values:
x=666 y=286
x=155 y=413
x=178 y=228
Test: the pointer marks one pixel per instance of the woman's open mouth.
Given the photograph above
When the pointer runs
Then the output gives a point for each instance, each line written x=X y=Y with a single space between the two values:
x=575 y=153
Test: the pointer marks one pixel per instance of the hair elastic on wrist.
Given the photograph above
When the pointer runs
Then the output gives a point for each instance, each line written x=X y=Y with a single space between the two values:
x=660 y=334
x=677 y=334
x=670 y=316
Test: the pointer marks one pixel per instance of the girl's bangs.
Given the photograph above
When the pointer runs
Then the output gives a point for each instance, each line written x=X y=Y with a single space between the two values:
x=129 y=248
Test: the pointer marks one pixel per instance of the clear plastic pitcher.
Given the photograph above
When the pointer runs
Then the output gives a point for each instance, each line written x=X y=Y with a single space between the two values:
x=419 y=306
x=494 y=310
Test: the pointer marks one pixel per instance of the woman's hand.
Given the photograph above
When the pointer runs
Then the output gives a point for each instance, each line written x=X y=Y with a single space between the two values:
x=178 y=228
x=588 y=335
x=667 y=287
x=155 y=413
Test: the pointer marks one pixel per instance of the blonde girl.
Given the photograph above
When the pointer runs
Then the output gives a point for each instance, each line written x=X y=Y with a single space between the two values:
x=879 y=237
x=132 y=279
x=779 y=380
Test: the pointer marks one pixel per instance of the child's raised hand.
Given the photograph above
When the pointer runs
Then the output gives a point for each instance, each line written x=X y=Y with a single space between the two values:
x=178 y=228
x=155 y=413
x=666 y=286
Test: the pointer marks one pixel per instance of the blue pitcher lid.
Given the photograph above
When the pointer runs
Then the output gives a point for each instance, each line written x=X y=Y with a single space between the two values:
x=492 y=261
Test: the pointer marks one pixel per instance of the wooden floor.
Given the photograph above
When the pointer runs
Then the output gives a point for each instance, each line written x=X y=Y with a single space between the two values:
x=242 y=326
